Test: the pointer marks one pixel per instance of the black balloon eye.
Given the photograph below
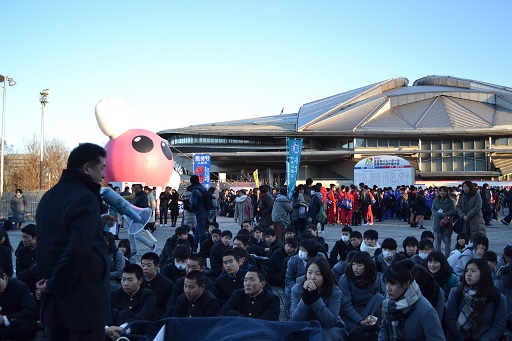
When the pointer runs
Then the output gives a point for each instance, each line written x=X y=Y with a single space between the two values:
x=166 y=150
x=142 y=144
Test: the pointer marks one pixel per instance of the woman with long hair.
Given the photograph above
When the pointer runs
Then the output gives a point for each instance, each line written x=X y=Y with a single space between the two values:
x=469 y=209
x=318 y=297
x=125 y=247
x=442 y=272
x=363 y=293
x=406 y=314
x=442 y=207
x=476 y=310
x=116 y=262
x=4 y=239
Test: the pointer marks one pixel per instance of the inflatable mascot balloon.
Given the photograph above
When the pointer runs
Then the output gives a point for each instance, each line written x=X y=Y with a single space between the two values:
x=133 y=155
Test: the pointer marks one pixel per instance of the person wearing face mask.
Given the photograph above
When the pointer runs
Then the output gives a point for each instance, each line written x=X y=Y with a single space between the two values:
x=476 y=310
x=406 y=314
x=176 y=268
x=475 y=250
x=442 y=272
x=318 y=297
x=388 y=255
x=342 y=247
x=425 y=247
x=296 y=267
x=363 y=293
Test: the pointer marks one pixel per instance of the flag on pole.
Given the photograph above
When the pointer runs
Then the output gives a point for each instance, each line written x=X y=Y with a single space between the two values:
x=294 y=149
x=256 y=179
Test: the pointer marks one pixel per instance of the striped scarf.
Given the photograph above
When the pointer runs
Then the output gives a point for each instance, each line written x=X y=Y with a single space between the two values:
x=396 y=311
x=469 y=317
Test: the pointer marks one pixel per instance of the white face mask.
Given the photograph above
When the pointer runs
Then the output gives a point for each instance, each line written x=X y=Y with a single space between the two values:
x=303 y=255
x=312 y=192
x=423 y=255
x=180 y=266
x=387 y=254
x=345 y=238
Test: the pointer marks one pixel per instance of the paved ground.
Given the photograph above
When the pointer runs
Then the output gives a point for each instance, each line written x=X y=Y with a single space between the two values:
x=499 y=235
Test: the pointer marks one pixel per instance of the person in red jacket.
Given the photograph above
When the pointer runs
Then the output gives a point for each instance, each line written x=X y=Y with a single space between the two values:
x=331 y=205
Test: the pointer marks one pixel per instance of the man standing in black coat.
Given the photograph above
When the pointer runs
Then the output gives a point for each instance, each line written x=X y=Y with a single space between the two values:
x=72 y=257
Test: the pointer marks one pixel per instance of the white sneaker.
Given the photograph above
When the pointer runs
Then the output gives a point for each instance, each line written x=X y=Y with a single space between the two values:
x=370 y=224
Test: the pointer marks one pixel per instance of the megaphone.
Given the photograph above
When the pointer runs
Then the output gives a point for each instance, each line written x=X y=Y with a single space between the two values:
x=136 y=217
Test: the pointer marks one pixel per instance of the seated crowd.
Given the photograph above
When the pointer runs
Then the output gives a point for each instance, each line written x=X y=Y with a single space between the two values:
x=362 y=288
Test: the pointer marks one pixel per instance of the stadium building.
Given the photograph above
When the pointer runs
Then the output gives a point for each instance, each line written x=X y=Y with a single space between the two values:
x=447 y=128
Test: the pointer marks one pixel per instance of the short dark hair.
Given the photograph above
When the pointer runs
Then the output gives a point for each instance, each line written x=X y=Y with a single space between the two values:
x=180 y=230
x=427 y=234
x=311 y=247
x=289 y=229
x=356 y=234
x=197 y=276
x=152 y=256
x=292 y=241
x=226 y=233
x=410 y=241
x=243 y=238
x=399 y=273
x=480 y=238
x=371 y=234
x=196 y=257
x=214 y=224
x=261 y=275
x=181 y=252
x=490 y=256
x=233 y=253
x=425 y=244
x=194 y=179
x=389 y=243
x=84 y=153
x=347 y=229
x=216 y=231
x=135 y=269
x=241 y=252
x=270 y=232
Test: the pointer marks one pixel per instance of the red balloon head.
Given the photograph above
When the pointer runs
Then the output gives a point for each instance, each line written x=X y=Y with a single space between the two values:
x=139 y=155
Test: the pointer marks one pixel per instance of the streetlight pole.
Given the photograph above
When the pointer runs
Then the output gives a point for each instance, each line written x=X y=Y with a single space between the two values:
x=44 y=101
x=5 y=80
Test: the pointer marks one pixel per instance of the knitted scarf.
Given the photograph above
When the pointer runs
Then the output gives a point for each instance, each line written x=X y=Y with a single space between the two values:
x=362 y=282
x=469 y=317
x=370 y=249
x=397 y=311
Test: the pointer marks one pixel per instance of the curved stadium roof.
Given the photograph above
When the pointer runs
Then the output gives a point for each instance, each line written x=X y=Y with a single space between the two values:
x=433 y=105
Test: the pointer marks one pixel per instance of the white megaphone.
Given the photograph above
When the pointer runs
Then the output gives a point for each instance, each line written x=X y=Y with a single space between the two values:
x=136 y=217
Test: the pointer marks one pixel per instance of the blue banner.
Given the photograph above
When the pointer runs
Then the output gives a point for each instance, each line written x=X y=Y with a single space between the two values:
x=294 y=148
x=202 y=168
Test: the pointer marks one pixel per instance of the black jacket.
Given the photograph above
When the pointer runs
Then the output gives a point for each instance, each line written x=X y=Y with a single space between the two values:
x=72 y=254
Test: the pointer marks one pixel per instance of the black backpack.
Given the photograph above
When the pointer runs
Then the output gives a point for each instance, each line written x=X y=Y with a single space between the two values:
x=207 y=199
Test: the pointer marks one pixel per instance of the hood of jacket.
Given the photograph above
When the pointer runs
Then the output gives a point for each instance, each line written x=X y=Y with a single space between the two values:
x=282 y=197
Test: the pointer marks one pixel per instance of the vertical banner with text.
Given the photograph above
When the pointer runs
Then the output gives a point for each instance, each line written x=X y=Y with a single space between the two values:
x=202 y=168
x=294 y=148
x=256 y=178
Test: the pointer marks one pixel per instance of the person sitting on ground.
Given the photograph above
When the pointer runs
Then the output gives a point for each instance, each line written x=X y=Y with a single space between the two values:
x=289 y=232
x=476 y=310
x=19 y=314
x=176 y=267
x=442 y=272
x=428 y=235
x=476 y=250
x=342 y=247
x=340 y=268
x=116 y=262
x=181 y=232
x=6 y=260
x=461 y=244
x=242 y=241
x=230 y=280
x=363 y=293
x=356 y=239
x=429 y=288
x=206 y=246
x=410 y=245
x=387 y=256
x=126 y=249
x=153 y=280
x=195 y=301
x=26 y=254
x=131 y=302
x=257 y=243
x=425 y=247
x=194 y=263
x=504 y=284
x=322 y=245
x=253 y=300
x=275 y=264
x=308 y=249
x=406 y=314
x=318 y=297
x=492 y=260
x=370 y=243
x=217 y=252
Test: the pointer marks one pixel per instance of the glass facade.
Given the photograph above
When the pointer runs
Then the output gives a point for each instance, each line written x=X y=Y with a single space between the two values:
x=453 y=161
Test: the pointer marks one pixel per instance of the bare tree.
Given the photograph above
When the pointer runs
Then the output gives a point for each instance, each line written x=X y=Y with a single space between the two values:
x=22 y=169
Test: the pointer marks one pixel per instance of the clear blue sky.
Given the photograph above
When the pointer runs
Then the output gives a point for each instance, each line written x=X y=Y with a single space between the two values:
x=190 y=62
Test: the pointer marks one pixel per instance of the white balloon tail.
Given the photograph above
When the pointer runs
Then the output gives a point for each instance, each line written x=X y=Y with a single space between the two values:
x=113 y=116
